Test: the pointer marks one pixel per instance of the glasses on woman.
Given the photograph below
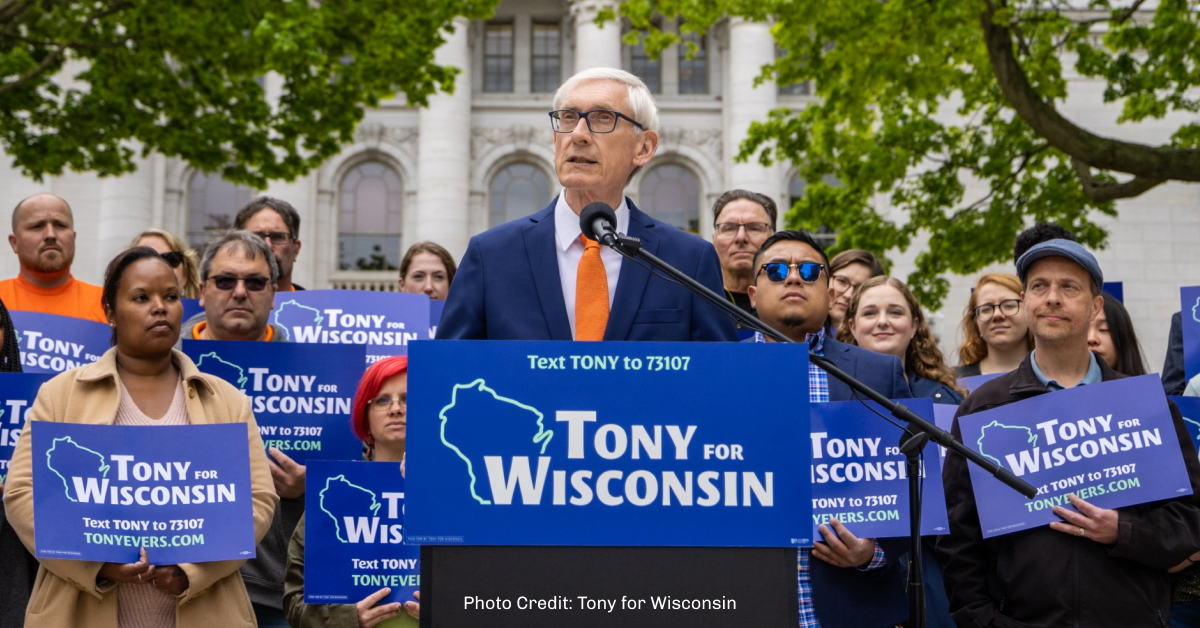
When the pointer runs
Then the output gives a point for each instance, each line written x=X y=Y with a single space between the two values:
x=841 y=284
x=383 y=404
x=778 y=271
x=172 y=258
x=1008 y=307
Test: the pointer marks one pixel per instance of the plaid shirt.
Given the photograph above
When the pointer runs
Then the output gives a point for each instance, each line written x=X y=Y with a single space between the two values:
x=818 y=392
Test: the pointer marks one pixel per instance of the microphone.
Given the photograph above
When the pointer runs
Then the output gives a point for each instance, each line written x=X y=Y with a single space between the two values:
x=598 y=222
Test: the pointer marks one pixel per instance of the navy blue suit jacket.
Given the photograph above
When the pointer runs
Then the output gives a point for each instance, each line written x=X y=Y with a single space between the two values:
x=848 y=597
x=508 y=287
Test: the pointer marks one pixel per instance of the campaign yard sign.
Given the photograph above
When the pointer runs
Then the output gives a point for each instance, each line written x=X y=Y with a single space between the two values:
x=52 y=344
x=102 y=492
x=385 y=322
x=1189 y=316
x=1189 y=408
x=301 y=394
x=191 y=307
x=435 y=316
x=615 y=443
x=975 y=381
x=354 y=533
x=1113 y=444
x=17 y=392
x=943 y=417
x=859 y=475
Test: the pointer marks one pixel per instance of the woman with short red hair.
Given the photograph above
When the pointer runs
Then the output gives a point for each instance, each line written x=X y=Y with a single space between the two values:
x=379 y=418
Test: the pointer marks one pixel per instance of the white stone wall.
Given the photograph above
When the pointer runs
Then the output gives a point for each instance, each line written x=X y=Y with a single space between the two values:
x=447 y=156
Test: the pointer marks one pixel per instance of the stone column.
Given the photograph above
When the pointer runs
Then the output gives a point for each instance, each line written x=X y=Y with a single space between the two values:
x=750 y=47
x=595 y=46
x=126 y=209
x=444 y=154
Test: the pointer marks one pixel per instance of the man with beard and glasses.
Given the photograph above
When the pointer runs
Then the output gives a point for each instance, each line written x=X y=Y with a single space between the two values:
x=43 y=237
x=853 y=582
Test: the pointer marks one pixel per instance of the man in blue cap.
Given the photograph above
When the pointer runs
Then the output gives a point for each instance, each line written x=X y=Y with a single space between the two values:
x=1097 y=567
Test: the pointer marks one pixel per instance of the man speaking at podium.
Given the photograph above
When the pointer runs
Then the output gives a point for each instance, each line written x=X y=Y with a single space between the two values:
x=537 y=278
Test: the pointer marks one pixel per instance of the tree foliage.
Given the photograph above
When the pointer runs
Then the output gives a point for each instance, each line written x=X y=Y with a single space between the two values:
x=89 y=85
x=916 y=99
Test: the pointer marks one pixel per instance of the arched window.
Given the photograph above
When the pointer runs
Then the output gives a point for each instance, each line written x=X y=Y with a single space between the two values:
x=370 y=200
x=824 y=236
x=517 y=190
x=212 y=204
x=671 y=193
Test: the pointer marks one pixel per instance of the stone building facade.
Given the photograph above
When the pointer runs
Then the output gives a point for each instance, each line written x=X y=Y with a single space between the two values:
x=484 y=155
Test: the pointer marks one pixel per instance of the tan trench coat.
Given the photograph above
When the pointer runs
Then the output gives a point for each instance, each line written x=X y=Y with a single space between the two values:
x=65 y=592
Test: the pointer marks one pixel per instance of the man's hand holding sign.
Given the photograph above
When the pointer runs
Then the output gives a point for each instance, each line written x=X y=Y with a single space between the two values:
x=1093 y=522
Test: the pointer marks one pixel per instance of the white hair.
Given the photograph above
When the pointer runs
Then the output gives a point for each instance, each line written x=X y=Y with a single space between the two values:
x=641 y=104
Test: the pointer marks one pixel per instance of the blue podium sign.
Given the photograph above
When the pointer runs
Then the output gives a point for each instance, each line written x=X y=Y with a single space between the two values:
x=53 y=344
x=383 y=321
x=1189 y=316
x=354 y=534
x=1113 y=444
x=859 y=475
x=102 y=492
x=17 y=392
x=615 y=443
x=301 y=394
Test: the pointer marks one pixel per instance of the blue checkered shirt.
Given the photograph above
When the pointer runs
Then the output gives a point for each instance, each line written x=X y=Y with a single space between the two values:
x=818 y=392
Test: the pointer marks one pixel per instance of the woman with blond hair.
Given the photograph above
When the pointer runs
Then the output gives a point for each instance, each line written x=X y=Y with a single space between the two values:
x=884 y=317
x=996 y=337
x=178 y=255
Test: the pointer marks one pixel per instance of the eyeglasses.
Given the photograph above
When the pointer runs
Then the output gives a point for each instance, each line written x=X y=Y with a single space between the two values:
x=254 y=283
x=841 y=284
x=172 y=258
x=778 y=271
x=755 y=230
x=598 y=120
x=277 y=238
x=1008 y=307
x=385 y=403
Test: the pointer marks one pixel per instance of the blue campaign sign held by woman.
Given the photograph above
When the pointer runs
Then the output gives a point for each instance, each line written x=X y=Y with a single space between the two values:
x=354 y=536
x=301 y=394
x=103 y=492
x=52 y=344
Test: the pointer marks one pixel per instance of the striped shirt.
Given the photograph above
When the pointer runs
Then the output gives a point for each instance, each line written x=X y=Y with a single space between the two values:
x=818 y=392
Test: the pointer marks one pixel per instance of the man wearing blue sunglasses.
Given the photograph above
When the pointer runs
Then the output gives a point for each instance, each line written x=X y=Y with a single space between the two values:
x=853 y=582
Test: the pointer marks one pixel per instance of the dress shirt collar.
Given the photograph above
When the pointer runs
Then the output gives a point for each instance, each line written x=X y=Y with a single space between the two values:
x=566 y=222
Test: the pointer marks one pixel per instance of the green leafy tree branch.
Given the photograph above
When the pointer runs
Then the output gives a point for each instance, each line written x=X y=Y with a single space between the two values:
x=925 y=102
x=88 y=86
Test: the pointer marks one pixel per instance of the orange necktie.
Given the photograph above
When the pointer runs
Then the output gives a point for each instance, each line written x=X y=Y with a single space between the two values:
x=591 y=293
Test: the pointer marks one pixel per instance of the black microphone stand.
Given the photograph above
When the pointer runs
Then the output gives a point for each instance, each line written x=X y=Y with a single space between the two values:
x=912 y=442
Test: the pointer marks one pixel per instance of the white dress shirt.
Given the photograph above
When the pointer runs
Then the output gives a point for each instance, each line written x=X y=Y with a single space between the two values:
x=570 y=250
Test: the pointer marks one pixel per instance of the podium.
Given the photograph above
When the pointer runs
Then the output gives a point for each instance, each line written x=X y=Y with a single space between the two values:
x=601 y=587
x=601 y=484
